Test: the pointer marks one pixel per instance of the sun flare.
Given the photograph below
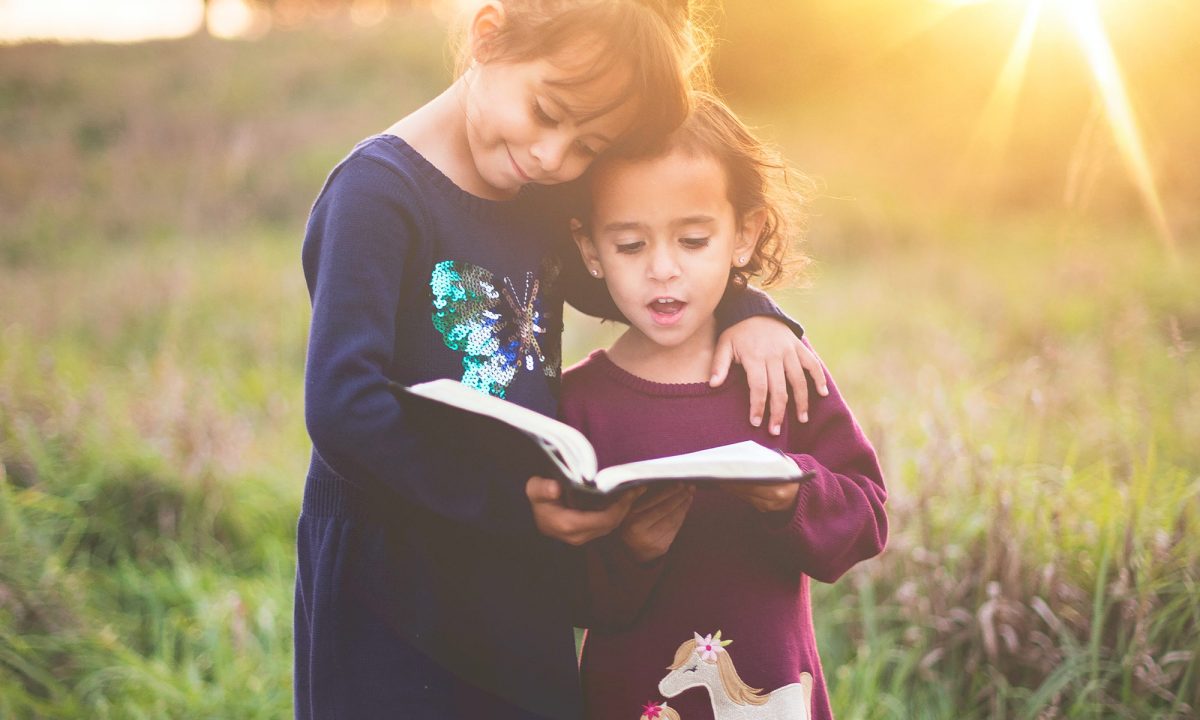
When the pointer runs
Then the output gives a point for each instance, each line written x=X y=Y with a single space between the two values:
x=1088 y=27
x=1083 y=20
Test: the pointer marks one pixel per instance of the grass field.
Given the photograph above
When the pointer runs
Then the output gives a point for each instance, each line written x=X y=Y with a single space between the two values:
x=1030 y=376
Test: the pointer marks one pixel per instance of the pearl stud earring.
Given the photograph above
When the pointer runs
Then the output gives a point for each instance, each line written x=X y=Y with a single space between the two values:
x=595 y=272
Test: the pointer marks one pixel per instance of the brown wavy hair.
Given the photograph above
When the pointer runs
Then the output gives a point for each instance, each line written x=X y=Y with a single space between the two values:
x=662 y=44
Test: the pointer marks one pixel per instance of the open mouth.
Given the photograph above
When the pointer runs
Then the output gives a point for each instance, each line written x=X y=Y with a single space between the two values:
x=666 y=311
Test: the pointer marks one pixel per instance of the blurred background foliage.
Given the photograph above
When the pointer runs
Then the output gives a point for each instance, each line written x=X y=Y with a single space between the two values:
x=1014 y=333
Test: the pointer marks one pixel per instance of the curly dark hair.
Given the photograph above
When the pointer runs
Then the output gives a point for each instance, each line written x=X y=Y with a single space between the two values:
x=756 y=177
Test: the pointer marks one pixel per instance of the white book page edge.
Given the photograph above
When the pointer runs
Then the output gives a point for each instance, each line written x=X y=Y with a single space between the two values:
x=745 y=460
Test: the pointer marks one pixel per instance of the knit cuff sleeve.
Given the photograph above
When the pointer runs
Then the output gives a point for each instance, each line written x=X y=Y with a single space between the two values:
x=838 y=521
x=789 y=523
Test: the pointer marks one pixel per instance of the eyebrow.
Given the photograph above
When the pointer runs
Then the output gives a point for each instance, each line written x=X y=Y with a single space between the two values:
x=619 y=226
x=576 y=117
x=634 y=225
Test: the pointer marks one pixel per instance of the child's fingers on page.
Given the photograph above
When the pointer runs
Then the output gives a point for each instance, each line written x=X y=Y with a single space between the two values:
x=669 y=506
x=780 y=498
x=756 y=379
x=674 y=514
x=766 y=496
x=652 y=499
x=612 y=516
x=799 y=385
x=615 y=512
x=577 y=527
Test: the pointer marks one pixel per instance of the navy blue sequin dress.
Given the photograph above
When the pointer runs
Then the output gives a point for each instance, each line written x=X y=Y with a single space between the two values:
x=423 y=589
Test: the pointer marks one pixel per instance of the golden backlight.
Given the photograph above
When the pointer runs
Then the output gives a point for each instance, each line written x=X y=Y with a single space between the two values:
x=1084 y=22
x=1078 y=22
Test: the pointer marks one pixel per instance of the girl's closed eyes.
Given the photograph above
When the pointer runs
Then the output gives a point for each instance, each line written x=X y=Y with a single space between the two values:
x=546 y=120
x=543 y=117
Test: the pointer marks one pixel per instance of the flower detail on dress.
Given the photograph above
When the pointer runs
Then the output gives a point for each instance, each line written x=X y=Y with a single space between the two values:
x=499 y=328
x=704 y=662
x=652 y=711
x=710 y=646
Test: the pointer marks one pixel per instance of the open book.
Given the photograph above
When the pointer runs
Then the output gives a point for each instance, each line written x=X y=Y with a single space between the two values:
x=550 y=448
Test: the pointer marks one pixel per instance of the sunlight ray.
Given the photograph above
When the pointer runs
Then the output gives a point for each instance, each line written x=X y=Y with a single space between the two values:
x=1088 y=159
x=996 y=120
x=1089 y=30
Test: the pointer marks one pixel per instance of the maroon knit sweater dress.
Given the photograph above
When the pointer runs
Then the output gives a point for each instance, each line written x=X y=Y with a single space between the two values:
x=731 y=567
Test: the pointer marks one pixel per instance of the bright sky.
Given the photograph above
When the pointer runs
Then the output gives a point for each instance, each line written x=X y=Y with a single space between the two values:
x=118 y=20
x=133 y=20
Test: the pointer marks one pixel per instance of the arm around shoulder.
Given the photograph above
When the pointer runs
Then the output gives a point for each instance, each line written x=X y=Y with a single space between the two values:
x=741 y=302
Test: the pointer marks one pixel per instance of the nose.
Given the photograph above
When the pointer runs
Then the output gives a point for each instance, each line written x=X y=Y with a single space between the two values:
x=551 y=152
x=664 y=265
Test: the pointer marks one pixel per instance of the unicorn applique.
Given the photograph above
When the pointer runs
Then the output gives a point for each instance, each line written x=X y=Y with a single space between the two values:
x=704 y=662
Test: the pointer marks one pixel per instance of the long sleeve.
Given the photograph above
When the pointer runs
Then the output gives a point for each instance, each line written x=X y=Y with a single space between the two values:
x=361 y=235
x=839 y=518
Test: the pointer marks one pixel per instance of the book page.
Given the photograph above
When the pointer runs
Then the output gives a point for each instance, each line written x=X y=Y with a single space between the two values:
x=740 y=461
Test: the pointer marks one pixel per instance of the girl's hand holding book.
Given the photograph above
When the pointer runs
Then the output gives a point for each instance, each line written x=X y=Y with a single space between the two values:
x=766 y=497
x=574 y=527
x=654 y=521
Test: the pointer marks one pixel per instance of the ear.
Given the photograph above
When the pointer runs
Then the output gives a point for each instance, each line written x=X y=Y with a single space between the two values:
x=488 y=19
x=587 y=249
x=748 y=234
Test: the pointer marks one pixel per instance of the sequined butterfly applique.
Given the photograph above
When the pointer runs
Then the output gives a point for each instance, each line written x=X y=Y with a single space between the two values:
x=499 y=328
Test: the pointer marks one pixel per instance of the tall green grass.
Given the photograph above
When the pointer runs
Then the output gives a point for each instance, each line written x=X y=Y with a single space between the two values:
x=153 y=449
x=1035 y=401
x=1030 y=378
